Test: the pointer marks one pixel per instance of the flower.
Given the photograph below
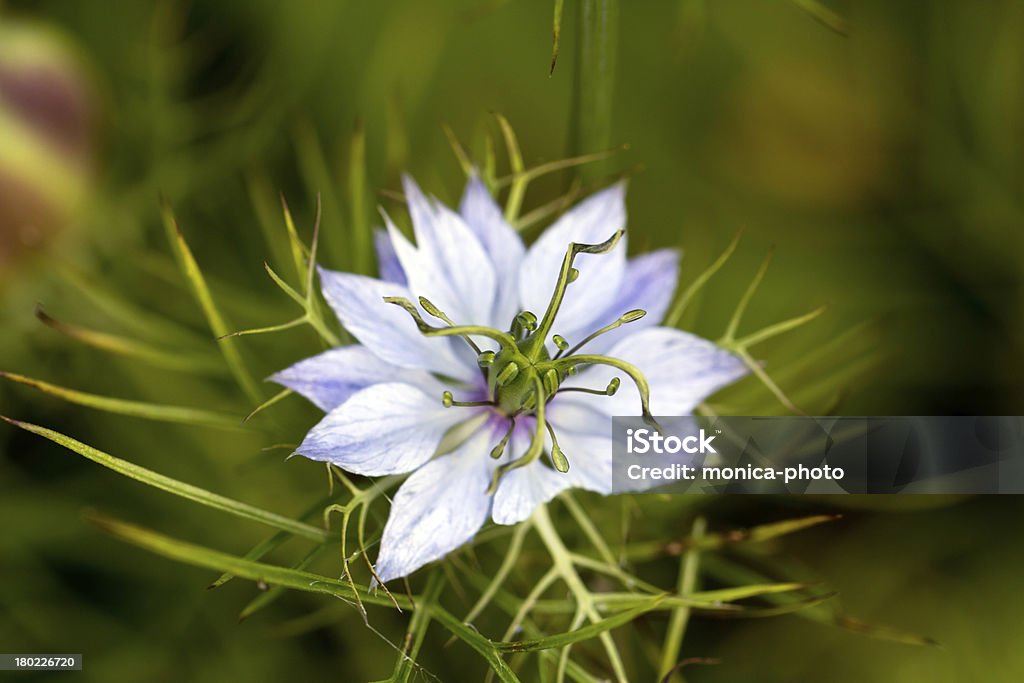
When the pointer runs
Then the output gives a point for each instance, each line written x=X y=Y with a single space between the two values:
x=473 y=382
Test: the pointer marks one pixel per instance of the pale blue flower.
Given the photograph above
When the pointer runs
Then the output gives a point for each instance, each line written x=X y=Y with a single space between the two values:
x=392 y=398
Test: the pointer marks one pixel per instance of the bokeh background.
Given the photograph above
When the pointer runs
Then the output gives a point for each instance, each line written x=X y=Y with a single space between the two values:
x=883 y=163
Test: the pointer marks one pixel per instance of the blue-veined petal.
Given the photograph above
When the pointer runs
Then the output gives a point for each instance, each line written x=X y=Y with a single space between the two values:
x=649 y=284
x=448 y=264
x=503 y=245
x=438 y=508
x=388 y=428
x=681 y=369
x=387 y=330
x=330 y=378
x=521 y=490
x=591 y=222
x=585 y=436
x=388 y=265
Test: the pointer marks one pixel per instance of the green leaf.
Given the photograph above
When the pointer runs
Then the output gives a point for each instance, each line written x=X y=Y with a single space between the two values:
x=683 y=301
x=272 y=593
x=584 y=633
x=362 y=231
x=131 y=348
x=149 y=411
x=271 y=575
x=201 y=292
x=556 y=34
x=200 y=556
x=273 y=541
x=515 y=159
x=178 y=488
x=823 y=15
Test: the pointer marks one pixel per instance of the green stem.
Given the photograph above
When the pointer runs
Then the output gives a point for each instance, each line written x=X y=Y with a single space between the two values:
x=594 y=86
x=681 y=615
x=562 y=560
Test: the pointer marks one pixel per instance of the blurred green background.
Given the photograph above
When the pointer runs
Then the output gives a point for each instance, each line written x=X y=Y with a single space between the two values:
x=884 y=165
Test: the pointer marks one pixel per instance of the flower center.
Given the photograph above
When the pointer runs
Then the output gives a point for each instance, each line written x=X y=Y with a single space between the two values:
x=522 y=376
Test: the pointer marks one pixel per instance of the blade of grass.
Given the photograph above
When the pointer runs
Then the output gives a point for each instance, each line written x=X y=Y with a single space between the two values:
x=556 y=34
x=173 y=486
x=200 y=556
x=417 y=630
x=316 y=173
x=272 y=541
x=824 y=15
x=679 y=307
x=584 y=633
x=515 y=159
x=189 y=267
x=680 y=616
x=133 y=348
x=272 y=593
x=594 y=82
x=362 y=235
x=120 y=406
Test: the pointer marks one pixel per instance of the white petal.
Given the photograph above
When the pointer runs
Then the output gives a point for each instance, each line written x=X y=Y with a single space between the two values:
x=585 y=436
x=681 y=369
x=448 y=265
x=648 y=284
x=384 y=429
x=388 y=266
x=385 y=329
x=503 y=245
x=591 y=222
x=330 y=378
x=438 y=508
x=521 y=490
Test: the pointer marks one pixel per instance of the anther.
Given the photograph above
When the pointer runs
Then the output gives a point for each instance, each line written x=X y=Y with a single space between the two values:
x=560 y=342
x=485 y=359
x=551 y=381
x=558 y=458
x=624 y=319
x=433 y=310
x=447 y=400
x=524 y=323
x=613 y=386
x=507 y=374
x=499 y=450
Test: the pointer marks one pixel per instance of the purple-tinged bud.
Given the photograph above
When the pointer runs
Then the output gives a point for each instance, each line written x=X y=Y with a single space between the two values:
x=48 y=125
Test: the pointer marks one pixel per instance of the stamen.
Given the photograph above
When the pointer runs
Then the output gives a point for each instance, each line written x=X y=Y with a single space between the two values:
x=499 y=450
x=433 y=310
x=560 y=342
x=558 y=458
x=551 y=381
x=536 y=444
x=613 y=386
x=634 y=373
x=507 y=374
x=485 y=359
x=447 y=400
x=524 y=323
x=624 y=319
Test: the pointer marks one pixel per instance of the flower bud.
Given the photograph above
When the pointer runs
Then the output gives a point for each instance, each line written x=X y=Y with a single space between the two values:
x=47 y=135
